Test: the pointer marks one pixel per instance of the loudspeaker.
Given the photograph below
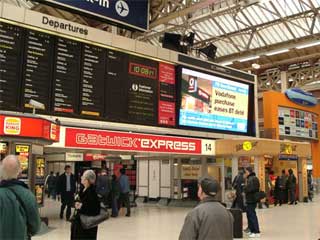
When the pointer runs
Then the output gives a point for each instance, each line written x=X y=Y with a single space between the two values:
x=189 y=39
x=172 y=41
x=210 y=51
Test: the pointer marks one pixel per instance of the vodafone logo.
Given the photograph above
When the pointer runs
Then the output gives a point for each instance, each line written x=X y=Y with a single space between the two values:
x=120 y=141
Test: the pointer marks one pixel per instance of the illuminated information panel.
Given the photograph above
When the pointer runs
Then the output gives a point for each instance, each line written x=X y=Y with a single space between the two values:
x=213 y=102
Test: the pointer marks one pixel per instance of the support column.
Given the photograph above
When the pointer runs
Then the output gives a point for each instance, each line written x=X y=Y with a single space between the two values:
x=261 y=173
x=235 y=167
x=303 y=180
x=284 y=78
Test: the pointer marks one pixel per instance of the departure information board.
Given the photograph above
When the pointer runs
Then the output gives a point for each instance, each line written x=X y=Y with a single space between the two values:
x=10 y=65
x=38 y=68
x=67 y=74
x=93 y=78
x=76 y=79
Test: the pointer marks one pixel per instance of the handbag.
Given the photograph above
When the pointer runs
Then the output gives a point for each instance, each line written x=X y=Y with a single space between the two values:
x=260 y=195
x=88 y=222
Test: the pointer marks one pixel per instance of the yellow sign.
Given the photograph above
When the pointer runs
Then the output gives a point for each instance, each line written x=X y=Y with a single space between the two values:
x=190 y=171
x=247 y=146
x=12 y=126
x=22 y=149
x=287 y=148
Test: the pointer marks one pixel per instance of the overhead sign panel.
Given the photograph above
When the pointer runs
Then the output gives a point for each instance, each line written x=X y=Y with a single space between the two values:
x=131 y=13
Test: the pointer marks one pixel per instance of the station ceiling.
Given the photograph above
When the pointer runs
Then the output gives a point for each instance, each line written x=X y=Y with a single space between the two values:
x=271 y=33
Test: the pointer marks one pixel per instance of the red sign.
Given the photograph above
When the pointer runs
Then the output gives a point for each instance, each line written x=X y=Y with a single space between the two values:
x=120 y=141
x=94 y=157
x=167 y=98
x=142 y=70
x=29 y=127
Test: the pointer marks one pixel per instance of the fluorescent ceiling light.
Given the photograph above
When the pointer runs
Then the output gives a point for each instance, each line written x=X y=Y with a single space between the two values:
x=248 y=58
x=277 y=52
x=226 y=63
x=308 y=45
x=290 y=79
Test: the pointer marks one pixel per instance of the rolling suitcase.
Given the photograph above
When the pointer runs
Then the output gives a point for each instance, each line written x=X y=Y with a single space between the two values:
x=237 y=224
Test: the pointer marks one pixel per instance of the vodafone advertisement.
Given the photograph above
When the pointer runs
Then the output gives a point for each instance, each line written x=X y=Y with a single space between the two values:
x=120 y=141
x=29 y=127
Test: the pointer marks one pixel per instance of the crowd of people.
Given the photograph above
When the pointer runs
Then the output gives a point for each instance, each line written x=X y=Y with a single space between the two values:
x=20 y=217
x=210 y=219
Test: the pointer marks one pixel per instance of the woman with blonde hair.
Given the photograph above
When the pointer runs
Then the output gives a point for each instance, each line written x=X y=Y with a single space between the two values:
x=87 y=204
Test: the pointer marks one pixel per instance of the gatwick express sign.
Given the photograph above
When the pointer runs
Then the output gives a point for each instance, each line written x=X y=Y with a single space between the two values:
x=130 y=13
x=121 y=141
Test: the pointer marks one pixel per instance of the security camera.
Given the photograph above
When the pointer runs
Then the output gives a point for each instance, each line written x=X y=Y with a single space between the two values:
x=35 y=104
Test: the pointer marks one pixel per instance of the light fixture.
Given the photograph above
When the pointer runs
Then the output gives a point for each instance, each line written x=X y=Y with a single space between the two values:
x=290 y=79
x=308 y=45
x=226 y=63
x=277 y=52
x=256 y=66
x=248 y=58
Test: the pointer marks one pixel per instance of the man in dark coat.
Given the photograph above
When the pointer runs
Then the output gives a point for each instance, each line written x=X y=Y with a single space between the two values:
x=19 y=215
x=238 y=185
x=291 y=183
x=210 y=219
x=66 y=187
x=280 y=188
x=103 y=187
x=251 y=189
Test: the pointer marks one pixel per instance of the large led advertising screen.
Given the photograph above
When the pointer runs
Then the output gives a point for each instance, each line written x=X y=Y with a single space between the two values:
x=213 y=102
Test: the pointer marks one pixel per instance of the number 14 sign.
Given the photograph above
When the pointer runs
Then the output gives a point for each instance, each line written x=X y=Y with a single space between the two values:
x=208 y=147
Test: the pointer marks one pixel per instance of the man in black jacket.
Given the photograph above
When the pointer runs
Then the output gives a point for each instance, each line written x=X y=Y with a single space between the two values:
x=292 y=182
x=66 y=187
x=251 y=189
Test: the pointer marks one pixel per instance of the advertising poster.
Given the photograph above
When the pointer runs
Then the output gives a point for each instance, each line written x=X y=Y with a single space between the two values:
x=297 y=123
x=167 y=98
x=213 y=102
x=22 y=151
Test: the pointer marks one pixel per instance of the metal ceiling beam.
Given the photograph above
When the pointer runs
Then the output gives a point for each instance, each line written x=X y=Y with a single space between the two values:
x=183 y=12
x=261 y=51
x=287 y=61
x=260 y=26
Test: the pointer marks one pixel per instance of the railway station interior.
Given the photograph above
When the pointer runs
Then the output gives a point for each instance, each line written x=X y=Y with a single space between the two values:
x=171 y=92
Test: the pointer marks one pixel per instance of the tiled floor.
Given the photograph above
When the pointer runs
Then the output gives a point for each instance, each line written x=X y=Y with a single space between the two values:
x=301 y=222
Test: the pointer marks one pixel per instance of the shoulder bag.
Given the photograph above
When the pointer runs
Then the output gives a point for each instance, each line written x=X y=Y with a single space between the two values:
x=88 y=222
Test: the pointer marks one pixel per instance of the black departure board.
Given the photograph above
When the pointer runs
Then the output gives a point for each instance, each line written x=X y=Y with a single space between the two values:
x=116 y=88
x=142 y=90
x=10 y=65
x=93 y=81
x=81 y=80
x=38 y=68
x=66 y=75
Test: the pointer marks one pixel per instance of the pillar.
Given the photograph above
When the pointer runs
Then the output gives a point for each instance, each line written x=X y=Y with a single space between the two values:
x=284 y=79
x=303 y=179
x=235 y=165
x=261 y=172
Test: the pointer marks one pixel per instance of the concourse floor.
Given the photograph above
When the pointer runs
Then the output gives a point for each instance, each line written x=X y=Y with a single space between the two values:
x=152 y=222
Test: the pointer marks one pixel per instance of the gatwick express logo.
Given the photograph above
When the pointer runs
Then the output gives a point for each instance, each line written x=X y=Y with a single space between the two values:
x=130 y=142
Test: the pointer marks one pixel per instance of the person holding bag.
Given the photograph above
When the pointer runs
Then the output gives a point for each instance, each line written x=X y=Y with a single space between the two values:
x=87 y=205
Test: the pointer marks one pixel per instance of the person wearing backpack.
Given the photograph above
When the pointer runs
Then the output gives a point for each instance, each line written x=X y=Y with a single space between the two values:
x=251 y=190
x=19 y=215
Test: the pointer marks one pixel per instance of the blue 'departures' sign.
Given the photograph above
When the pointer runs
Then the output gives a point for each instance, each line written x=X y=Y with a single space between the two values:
x=131 y=13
